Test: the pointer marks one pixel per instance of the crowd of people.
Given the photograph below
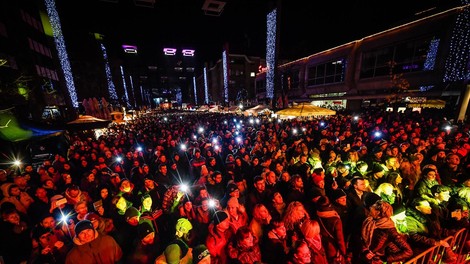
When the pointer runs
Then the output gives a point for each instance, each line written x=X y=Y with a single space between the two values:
x=218 y=188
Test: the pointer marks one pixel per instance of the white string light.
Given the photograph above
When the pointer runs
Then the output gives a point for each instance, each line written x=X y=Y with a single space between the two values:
x=270 y=53
x=109 y=78
x=225 y=69
x=61 y=50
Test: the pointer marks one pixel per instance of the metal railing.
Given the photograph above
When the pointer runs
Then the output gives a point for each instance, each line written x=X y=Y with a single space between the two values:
x=435 y=254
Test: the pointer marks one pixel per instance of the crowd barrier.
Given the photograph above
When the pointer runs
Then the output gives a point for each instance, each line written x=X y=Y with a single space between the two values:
x=435 y=254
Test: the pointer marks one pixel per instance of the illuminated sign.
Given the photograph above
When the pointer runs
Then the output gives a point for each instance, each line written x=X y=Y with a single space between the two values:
x=184 y=52
x=129 y=49
x=188 y=52
x=169 y=51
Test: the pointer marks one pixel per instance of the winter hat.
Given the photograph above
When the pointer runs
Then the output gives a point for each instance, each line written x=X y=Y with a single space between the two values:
x=144 y=228
x=131 y=212
x=317 y=179
x=39 y=231
x=337 y=194
x=323 y=204
x=231 y=187
x=199 y=253
x=83 y=225
x=183 y=226
x=370 y=199
x=219 y=216
x=377 y=168
x=172 y=254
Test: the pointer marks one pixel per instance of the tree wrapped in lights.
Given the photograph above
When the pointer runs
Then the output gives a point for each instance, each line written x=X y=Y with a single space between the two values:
x=398 y=85
x=61 y=50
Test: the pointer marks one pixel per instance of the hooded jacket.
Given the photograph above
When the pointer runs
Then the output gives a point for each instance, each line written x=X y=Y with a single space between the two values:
x=21 y=202
x=102 y=250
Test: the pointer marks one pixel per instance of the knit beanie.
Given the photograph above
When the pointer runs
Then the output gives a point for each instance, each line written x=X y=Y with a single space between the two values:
x=172 y=254
x=219 y=217
x=131 y=212
x=83 y=225
x=144 y=228
x=199 y=253
x=335 y=194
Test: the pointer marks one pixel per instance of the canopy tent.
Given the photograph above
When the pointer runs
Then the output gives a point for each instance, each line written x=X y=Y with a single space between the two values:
x=304 y=110
x=431 y=103
x=259 y=109
x=85 y=122
x=13 y=131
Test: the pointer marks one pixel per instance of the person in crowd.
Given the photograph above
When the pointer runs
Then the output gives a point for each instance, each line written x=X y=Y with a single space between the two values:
x=13 y=194
x=260 y=220
x=277 y=207
x=50 y=249
x=258 y=195
x=179 y=249
x=311 y=233
x=91 y=247
x=244 y=247
x=147 y=245
x=331 y=230
x=98 y=222
x=340 y=205
x=294 y=217
x=201 y=255
x=381 y=240
x=219 y=236
x=395 y=179
x=296 y=191
x=237 y=214
x=300 y=253
x=423 y=228
x=274 y=248
x=424 y=185
x=15 y=240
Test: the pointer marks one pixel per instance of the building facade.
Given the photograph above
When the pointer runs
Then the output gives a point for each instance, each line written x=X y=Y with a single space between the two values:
x=423 y=59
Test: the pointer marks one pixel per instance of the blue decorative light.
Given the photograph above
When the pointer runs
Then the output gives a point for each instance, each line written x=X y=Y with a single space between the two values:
x=431 y=56
x=225 y=69
x=142 y=93
x=459 y=50
x=206 y=87
x=61 y=50
x=109 y=78
x=126 y=96
x=271 y=53
x=426 y=88
x=132 y=89
x=195 y=91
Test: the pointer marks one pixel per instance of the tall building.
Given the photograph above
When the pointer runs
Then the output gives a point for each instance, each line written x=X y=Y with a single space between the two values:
x=29 y=64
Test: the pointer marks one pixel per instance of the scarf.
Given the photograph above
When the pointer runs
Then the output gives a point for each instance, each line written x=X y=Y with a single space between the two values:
x=370 y=224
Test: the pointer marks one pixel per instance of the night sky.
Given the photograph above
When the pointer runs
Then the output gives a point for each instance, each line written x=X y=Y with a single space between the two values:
x=306 y=26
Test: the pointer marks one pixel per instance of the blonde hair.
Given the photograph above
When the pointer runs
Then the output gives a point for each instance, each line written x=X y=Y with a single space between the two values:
x=290 y=219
